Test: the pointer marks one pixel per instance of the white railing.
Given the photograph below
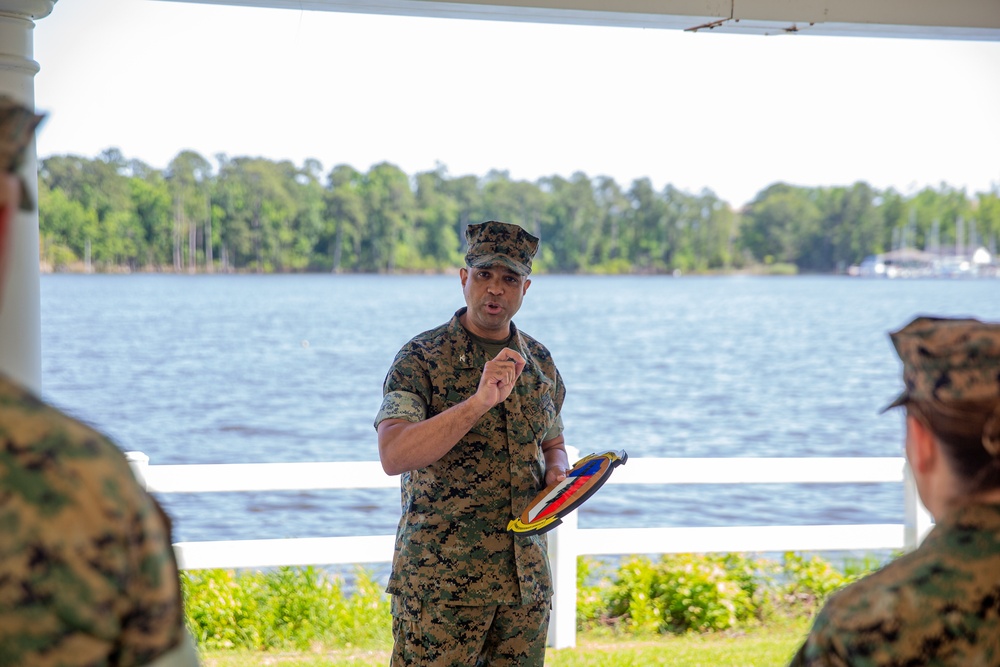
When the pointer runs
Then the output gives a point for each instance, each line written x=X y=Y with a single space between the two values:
x=565 y=542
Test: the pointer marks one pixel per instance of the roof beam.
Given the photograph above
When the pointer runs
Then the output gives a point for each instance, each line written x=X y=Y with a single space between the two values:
x=917 y=19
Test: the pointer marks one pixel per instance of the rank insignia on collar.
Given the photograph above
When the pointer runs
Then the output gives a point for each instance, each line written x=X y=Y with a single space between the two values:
x=557 y=500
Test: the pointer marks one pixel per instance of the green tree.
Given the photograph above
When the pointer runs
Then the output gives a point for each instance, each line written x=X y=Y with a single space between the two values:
x=389 y=205
x=851 y=225
x=468 y=197
x=64 y=225
x=780 y=224
x=720 y=231
x=613 y=205
x=261 y=215
x=188 y=177
x=646 y=222
x=258 y=210
x=937 y=220
x=575 y=218
x=345 y=220
x=308 y=224
x=436 y=216
x=275 y=213
x=151 y=197
x=100 y=187
x=234 y=196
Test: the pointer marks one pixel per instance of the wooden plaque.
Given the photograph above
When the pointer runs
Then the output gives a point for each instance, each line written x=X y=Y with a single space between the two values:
x=587 y=475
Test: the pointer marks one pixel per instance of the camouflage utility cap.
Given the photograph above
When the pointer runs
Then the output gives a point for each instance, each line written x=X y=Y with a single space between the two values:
x=948 y=360
x=17 y=128
x=493 y=242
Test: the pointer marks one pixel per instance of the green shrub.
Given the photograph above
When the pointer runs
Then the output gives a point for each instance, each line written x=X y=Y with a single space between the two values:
x=780 y=269
x=363 y=619
x=684 y=592
x=288 y=608
x=705 y=593
x=299 y=607
x=612 y=267
x=755 y=577
x=305 y=609
x=222 y=608
x=808 y=583
x=855 y=568
x=592 y=583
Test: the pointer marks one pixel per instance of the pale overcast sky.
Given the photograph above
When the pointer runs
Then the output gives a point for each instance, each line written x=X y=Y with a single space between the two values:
x=733 y=113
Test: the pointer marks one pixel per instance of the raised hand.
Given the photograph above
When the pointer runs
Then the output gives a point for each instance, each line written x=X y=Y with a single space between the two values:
x=499 y=376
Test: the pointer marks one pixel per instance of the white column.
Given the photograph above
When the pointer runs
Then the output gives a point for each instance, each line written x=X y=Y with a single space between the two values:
x=20 y=318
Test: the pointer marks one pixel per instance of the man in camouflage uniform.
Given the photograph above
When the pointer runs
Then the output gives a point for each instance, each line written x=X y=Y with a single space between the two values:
x=470 y=418
x=940 y=604
x=87 y=572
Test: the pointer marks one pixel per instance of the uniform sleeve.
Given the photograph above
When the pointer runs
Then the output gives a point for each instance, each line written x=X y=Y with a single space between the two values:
x=401 y=405
x=406 y=391
x=558 y=397
x=555 y=430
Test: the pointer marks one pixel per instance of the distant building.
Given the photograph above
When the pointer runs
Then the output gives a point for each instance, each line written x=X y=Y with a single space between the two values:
x=913 y=263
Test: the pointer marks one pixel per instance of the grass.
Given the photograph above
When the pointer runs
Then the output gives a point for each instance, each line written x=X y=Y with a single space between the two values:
x=770 y=646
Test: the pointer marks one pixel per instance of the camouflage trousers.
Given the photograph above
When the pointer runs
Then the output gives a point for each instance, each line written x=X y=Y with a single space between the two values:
x=439 y=635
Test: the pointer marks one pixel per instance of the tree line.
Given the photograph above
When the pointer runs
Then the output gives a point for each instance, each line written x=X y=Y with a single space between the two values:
x=247 y=214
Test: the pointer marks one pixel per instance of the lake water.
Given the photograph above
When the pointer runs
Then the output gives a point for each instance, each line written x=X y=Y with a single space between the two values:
x=247 y=369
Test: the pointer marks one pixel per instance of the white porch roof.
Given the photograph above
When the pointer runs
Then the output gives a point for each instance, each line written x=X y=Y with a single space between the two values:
x=919 y=19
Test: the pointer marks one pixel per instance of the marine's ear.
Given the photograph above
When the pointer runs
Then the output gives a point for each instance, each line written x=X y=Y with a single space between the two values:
x=922 y=449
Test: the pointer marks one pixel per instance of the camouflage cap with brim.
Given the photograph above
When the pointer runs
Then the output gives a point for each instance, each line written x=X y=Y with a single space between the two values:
x=493 y=242
x=948 y=360
x=17 y=127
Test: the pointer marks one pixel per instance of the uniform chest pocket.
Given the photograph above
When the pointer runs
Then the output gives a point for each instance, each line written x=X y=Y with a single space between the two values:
x=539 y=409
x=450 y=389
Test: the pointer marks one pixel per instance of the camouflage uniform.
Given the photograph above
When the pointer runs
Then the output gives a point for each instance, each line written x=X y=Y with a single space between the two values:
x=465 y=591
x=940 y=604
x=452 y=544
x=87 y=572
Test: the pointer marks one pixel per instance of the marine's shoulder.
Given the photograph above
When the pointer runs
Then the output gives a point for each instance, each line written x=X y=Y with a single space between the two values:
x=432 y=337
x=910 y=587
x=426 y=345
x=535 y=347
x=34 y=429
x=900 y=608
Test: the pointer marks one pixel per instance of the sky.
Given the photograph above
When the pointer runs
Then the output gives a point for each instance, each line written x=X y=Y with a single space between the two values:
x=731 y=113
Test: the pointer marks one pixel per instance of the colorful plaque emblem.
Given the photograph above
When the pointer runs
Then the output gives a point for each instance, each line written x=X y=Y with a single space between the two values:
x=545 y=512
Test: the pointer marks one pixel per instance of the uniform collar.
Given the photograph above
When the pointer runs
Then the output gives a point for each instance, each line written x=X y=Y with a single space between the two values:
x=968 y=516
x=466 y=353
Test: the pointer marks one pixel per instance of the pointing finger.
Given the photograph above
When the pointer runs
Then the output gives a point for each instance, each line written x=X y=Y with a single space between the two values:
x=508 y=354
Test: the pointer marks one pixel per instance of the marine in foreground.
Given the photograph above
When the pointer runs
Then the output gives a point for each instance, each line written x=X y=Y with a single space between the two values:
x=940 y=604
x=87 y=570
